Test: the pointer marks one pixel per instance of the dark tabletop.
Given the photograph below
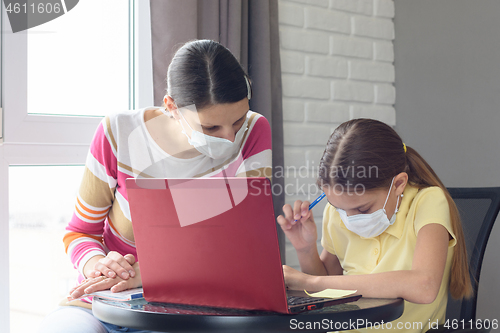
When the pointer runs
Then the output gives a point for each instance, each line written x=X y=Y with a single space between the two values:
x=182 y=318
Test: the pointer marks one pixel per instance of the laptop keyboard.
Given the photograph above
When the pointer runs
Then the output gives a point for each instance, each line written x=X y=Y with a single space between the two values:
x=186 y=309
x=297 y=300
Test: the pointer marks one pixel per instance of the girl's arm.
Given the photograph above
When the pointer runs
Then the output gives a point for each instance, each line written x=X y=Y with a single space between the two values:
x=299 y=227
x=303 y=236
x=420 y=284
x=314 y=264
x=331 y=263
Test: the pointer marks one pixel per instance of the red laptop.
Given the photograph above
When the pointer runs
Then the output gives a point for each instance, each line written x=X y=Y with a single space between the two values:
x=211 y=242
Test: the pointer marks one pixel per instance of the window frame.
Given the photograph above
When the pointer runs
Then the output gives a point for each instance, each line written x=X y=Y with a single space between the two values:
x=33 y=139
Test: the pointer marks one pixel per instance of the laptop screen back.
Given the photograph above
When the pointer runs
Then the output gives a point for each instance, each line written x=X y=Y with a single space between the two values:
x=208 y=241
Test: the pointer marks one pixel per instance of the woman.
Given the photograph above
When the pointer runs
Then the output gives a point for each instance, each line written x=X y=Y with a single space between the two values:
x=390 y=228
x=204 y=129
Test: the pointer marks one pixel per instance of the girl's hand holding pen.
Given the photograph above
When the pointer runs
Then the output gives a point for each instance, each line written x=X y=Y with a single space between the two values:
x=302 y=234
x=314 y=203
x=298 y=224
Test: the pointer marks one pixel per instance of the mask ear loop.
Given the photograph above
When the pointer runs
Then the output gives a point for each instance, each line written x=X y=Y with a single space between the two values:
x=387 y=198
x=182 y=116
x=168 y=113
x=397 y=206
x=249 y=88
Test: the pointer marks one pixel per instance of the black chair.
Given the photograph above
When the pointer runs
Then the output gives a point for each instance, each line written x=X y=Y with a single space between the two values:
x=478 y=209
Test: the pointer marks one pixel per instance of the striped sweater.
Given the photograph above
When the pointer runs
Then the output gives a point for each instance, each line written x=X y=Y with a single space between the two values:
x=123 y=148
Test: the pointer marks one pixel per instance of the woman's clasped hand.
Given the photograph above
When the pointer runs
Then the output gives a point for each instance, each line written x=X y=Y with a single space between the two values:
x=114 y=264
x=115 y=284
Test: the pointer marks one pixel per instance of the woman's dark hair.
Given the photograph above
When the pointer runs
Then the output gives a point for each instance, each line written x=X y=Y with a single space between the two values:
x=205 y=73
x=370 y=153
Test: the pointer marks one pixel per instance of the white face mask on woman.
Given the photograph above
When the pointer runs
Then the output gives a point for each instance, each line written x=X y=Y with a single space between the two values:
x=369 y=225
x=214 y=147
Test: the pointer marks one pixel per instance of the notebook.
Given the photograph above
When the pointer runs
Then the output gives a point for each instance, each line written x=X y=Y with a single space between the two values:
x=211 y=242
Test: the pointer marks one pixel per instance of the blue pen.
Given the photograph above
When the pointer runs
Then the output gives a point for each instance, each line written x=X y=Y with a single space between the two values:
x=314 y=203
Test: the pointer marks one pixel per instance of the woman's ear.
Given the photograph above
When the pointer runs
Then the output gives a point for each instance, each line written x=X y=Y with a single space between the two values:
x=400 y=182
x=171 y=106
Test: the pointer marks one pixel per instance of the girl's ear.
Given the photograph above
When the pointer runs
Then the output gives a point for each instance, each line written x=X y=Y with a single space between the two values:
x=400 y=182
x=171 y=106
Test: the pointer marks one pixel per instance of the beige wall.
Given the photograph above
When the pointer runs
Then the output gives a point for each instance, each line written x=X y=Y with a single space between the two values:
x=447 y=57
x=337 y=63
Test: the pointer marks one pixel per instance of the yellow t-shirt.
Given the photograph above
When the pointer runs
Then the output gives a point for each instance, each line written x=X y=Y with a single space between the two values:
x=393 y=250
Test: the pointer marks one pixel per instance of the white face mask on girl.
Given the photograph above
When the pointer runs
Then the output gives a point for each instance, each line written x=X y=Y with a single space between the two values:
x=369 y=225
x=211 y=146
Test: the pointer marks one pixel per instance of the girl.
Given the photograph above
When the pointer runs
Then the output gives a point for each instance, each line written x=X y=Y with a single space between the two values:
x=205 y=129
x=390 y=227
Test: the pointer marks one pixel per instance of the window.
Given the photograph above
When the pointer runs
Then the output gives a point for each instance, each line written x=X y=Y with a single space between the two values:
x=1 y=63
x=41 y=203
x=48 y=125
x=91 y=41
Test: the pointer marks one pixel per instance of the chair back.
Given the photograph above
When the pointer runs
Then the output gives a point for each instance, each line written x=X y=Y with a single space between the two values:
x=478 y=208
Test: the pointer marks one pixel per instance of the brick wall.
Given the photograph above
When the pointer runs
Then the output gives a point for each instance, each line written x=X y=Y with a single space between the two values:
x=337 y=64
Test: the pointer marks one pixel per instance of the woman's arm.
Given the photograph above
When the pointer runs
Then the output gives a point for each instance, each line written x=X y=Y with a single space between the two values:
x=83 y=239
x=420 y=284
x=256 y=153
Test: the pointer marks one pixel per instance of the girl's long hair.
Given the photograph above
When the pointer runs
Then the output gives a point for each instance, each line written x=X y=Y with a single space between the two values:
x=361 y=147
